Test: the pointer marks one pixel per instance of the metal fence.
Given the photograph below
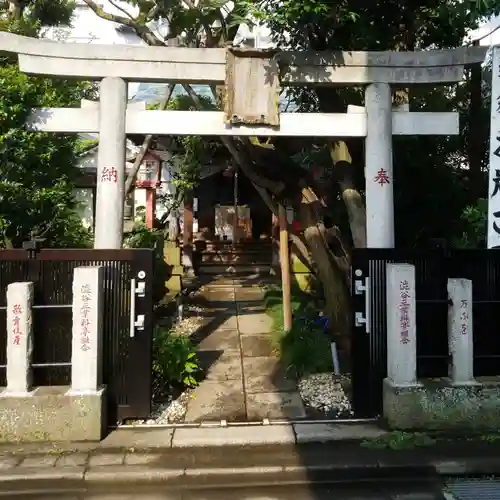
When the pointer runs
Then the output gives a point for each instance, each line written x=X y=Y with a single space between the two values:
x=126 y=358
x=432 y=270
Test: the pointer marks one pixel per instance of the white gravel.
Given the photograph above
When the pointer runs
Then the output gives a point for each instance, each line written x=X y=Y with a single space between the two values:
x=324 y=393
x=173 y=410
x=321 y=392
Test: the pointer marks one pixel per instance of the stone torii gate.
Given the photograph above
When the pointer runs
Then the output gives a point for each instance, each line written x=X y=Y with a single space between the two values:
x=252 y=80
x=115 y=65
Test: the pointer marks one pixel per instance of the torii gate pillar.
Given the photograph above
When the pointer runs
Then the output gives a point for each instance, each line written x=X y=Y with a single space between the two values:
x=379 y=172
x=111 y=164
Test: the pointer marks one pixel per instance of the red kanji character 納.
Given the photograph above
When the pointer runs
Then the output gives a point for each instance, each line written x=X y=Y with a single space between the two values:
x=109 y=174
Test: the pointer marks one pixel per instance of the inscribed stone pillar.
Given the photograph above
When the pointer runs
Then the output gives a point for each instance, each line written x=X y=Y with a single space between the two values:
x=86 y=353
x=187 y=250
x=111 y=164
x=19 y=338
x=460 y=331
x=378 y=167
x=401 y=325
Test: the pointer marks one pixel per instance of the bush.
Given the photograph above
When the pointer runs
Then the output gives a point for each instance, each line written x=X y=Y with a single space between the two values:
x=175 y=362
x=305 y=349
x=143 y=237
x=474 y=225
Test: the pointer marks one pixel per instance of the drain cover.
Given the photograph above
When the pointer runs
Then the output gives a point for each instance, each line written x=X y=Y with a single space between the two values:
x=487 y=488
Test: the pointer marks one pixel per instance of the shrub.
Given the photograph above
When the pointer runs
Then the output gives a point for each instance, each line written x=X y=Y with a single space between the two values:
x=305 y=348
x=175 y=362
x=143 y=237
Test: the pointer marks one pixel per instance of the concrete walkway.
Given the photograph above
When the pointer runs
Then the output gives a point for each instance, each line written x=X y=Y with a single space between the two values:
x=243 y=377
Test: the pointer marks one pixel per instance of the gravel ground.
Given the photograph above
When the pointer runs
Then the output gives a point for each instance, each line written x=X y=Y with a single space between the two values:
x=324 y=396
x=322 y=393
x=173 y=410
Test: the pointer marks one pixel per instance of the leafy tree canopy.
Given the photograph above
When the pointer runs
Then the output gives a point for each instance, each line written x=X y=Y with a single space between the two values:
x=432 y=187
x=37 y=170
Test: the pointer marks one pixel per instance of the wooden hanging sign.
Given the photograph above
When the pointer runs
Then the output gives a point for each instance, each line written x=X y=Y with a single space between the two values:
x=252 y=87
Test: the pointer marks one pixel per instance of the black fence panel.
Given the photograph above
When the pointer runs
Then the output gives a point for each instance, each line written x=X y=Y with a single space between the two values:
x=432 y=270
x=126 y=357
x=482 y=267
x=369 y=349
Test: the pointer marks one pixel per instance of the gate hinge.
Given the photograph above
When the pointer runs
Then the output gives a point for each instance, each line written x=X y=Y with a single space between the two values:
x=360 y=286
x=360 y=319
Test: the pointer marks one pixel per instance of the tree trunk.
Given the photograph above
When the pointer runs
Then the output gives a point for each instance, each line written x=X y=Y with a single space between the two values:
x=332 y=278
x=15 y=10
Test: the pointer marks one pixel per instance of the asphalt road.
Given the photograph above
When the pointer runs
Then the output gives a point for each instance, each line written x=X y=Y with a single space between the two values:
x=391 y=491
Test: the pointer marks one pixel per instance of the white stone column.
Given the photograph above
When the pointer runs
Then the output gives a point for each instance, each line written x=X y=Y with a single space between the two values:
x=111 y=164
x=460 y=331
x=401 y=325
x=19 y=338
x=378 y=167
x=86 y=354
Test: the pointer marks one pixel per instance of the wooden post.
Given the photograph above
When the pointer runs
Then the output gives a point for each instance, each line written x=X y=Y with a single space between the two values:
x=150 y=207
x=235 y=200
x=285 y=269
x=187 y=254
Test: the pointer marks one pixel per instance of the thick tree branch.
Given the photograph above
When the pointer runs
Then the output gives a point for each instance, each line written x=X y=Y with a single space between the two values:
x=210 y=42
x=245 y=164
x=142 y=31
x=121 y=9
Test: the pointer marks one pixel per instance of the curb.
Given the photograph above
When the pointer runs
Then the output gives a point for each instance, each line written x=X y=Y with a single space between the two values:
x=468 y=467
x=123 y=476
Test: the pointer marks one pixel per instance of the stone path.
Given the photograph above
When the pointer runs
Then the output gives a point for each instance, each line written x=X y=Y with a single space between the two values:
x=243 y=377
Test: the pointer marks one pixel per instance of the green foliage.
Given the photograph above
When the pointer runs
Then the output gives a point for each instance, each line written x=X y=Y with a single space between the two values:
x=189 y=154
x=37 y=170
x=399 y=440
x=84 y=145
x=175 y=363
x=432 y=190
x=305 y=349
x=474 y=220
x=143 y=237
x=30 y=16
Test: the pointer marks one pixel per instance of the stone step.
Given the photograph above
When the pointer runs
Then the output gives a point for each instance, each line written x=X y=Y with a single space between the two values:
x=229 y=246
x=230 y=258
x=235 y=270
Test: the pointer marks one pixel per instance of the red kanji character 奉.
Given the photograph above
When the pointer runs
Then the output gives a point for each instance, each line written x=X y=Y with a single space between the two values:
x=382 y=177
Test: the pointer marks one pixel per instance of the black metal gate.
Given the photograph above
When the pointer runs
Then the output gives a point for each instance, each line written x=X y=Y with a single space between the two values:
x=432 y=270
x=127 y=322
x=369 y=349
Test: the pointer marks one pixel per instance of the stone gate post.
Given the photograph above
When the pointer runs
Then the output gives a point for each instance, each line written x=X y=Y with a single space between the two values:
x=460 y=331
x=111 y=163
x=19 y=338
x=378 y=167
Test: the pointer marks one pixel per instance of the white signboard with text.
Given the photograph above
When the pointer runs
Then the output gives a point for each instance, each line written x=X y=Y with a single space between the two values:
x=493 y=238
